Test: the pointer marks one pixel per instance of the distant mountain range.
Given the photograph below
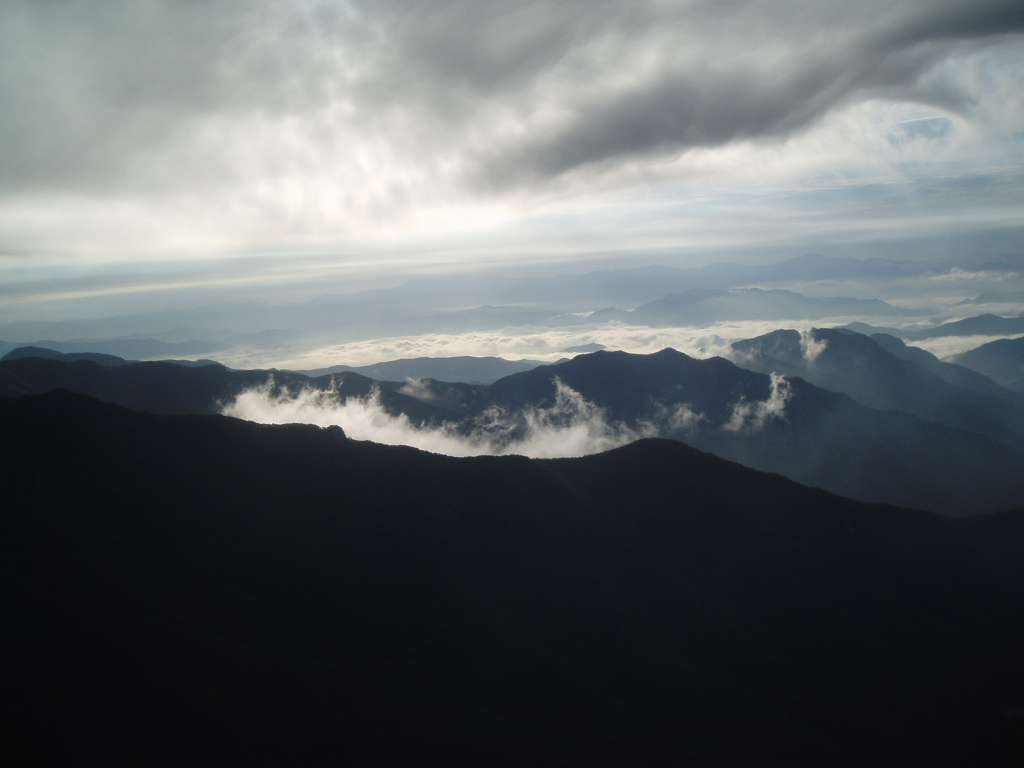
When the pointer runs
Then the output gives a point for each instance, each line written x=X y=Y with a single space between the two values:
x=948 y=448
x=199 y=590
x=982 y=325
x=694 y=306
x=630 y=287
x=996 y=297
x=651 y=295
x=133 y=349
x=71 y=357
x=471 y=370
x=705 y=305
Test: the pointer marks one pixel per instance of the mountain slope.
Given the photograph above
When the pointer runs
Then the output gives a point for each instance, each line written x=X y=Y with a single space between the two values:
x=1002 y=360
x=199 y=590
x=859 y=366
x=951 y=373
x=809 y=434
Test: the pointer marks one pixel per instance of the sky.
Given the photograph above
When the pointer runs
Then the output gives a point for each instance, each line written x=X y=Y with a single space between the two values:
x=272 y=149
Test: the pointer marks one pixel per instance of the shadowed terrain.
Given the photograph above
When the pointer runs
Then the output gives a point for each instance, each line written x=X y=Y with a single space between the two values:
x=817 y=436
x=202 y=590
x=1003 y=360
x=881 y=372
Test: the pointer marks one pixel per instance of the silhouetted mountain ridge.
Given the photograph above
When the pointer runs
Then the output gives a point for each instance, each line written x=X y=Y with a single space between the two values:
x=52 y=354
x=171 y=389
x=131 y=348
x=197 y=589
x=982 y=325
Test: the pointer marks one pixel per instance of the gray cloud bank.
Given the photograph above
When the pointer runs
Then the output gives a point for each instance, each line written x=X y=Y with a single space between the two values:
x=257 y=121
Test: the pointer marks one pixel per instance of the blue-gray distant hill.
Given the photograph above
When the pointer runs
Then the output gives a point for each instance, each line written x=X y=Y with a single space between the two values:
x=631 y=287
x=706 y=305
x=51 y=354
x=1002 y=360
x=996 y=297
x=982 y=325
x=132 y=349
x=95 y=357
x=881 y=372
x=471 y=370
x=694 y=306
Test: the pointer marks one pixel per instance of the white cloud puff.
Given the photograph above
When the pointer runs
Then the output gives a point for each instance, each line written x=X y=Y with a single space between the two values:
x=572 y=426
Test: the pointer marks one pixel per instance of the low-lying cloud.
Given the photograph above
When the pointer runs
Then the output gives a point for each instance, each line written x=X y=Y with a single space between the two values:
x=811 y=345
x=750 y=416
x=572 y=426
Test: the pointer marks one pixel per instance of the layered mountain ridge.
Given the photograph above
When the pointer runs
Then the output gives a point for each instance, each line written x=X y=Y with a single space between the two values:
x=926 y=442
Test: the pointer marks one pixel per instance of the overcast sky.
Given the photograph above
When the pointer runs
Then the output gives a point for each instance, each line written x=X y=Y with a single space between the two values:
x=339 y=138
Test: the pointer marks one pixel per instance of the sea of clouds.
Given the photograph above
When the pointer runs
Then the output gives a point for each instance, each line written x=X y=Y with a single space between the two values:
x=544 y=345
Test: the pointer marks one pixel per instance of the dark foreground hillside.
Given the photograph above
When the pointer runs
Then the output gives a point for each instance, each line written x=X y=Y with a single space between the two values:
x=198 y=590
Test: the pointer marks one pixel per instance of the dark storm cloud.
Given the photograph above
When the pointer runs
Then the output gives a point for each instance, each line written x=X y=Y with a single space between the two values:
x=94 y=93
x=739 y=85
x=952 y=19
